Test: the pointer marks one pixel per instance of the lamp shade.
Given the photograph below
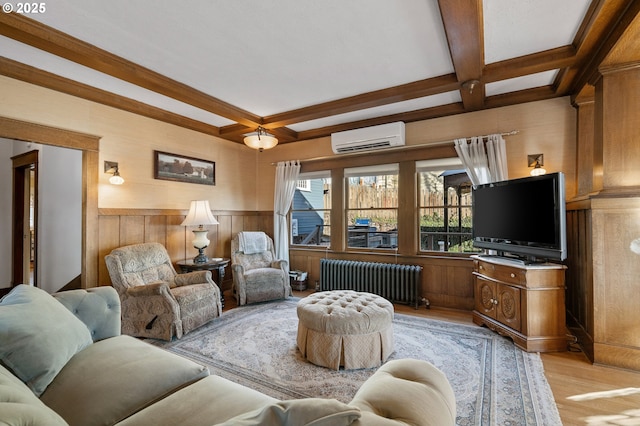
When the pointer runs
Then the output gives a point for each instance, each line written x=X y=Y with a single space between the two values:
x=538 y=171
x=116 y=179
x=199 y=214
x=260 y=140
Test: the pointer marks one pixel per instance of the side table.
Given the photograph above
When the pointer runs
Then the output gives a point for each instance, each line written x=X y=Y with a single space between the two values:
x=213 y=264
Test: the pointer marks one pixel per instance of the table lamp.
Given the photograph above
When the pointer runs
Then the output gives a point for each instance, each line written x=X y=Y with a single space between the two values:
x=200 y=215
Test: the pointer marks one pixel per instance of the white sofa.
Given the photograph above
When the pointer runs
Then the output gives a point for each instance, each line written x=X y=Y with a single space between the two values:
x=63 y=361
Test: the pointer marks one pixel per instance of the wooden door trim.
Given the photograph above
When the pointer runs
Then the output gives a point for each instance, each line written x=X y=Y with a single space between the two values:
x=21 y=164
x=89 y=145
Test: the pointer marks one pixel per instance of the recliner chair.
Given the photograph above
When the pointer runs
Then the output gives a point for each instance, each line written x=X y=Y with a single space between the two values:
x=156 y=301
x=257 y=275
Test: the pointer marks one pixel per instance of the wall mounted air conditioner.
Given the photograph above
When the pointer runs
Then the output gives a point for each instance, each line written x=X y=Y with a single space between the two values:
x=368 y=138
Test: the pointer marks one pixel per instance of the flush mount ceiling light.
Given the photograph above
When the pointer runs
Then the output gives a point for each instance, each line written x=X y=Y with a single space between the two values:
x=470 y=85
x=112 y=167
x=536 y=161
x=260 y=140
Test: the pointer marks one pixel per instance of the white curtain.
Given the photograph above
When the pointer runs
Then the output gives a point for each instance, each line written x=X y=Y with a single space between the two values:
x=484 y=162
x=286 y=178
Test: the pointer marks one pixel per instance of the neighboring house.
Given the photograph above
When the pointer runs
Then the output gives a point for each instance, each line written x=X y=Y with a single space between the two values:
x=307 y=222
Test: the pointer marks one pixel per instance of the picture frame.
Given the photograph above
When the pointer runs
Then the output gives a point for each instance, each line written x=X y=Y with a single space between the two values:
x=181 y=168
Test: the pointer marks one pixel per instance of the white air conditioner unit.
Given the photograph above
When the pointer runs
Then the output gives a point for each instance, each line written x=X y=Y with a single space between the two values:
x=368 y=138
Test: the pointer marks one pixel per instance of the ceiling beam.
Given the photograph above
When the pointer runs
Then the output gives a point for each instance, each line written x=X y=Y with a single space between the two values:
x=462 y=20
x=557 y=58
x=38 y=35
x=407 y=117
x=29 y=74
x=404 y=92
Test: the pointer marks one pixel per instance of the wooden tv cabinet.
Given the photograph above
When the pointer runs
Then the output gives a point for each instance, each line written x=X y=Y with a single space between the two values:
x=523 y=302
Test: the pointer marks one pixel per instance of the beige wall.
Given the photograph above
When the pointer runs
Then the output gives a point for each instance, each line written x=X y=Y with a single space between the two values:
x=547 y=127
x=130 y=140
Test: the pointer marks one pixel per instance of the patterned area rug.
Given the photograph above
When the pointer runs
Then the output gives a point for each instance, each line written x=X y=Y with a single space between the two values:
x=495 y=383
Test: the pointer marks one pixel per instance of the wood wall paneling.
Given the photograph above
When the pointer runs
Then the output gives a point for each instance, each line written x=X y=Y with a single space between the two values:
x=446 y=280
x=120 y=227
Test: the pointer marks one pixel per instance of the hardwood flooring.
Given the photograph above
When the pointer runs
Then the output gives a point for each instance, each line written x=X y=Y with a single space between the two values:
x=585 y=394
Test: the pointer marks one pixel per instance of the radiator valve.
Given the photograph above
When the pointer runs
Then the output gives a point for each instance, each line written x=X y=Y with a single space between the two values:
x=427 y=305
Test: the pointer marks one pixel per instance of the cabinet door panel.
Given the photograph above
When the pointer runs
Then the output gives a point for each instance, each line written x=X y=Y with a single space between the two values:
x=485 y=296
x=508 y=307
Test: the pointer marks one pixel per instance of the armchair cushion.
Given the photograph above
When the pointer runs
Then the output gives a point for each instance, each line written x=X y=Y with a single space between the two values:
x=39 y=336
x=255 y=260
x=162 y=272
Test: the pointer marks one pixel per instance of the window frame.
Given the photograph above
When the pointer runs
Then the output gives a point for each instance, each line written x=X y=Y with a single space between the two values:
x=387 y=238
x=323 y=213
x=441 y=165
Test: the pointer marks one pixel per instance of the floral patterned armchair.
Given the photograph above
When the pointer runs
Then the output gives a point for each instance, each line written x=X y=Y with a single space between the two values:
x=156 y=301
x=257 y=275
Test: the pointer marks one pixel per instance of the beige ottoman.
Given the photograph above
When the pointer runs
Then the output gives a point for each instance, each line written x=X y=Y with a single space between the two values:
x=345 y=328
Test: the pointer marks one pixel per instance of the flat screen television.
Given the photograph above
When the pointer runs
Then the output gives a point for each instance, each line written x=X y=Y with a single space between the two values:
x=523 y=218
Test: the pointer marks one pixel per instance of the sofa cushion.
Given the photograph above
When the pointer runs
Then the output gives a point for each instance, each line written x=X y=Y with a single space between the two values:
x=19 y=406
x=211 y=400
x=307 y=411
x=116 y=377
x=39 y=335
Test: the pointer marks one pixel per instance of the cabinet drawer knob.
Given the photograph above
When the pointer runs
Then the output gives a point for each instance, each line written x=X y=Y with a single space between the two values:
x=513 y=275
x=495 y=301
x=481 y=267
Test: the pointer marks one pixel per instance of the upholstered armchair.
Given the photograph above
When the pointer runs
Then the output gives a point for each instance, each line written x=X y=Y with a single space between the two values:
x=156 y=301
x=257 y=275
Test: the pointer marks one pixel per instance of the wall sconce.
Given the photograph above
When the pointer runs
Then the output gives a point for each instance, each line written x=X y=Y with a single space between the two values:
x=536 y=161
x=112 y=167
x=260 y=140
x=200 y=215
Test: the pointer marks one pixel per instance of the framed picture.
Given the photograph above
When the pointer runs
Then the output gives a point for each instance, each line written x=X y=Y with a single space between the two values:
x=180 y=168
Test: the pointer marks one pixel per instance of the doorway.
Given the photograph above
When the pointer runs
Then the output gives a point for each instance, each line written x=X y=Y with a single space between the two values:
x=25 y=219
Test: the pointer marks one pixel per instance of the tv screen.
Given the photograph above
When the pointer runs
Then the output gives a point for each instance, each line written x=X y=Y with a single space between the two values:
x=522 y=217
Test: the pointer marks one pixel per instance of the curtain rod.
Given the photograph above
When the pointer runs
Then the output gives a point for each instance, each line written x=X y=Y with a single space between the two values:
x=511 y=133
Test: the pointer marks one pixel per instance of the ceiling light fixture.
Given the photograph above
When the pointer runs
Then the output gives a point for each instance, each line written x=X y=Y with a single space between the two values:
x=536 y=161
x=112 y=167
x=470 y=85
x=260 y=140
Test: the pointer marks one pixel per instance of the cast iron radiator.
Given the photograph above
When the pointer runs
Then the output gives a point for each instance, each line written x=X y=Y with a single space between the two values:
x=394 y=282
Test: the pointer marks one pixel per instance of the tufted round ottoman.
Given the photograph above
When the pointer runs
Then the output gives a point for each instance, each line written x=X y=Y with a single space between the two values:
x=344 y=327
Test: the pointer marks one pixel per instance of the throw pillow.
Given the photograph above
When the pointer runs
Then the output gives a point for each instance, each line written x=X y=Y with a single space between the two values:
x=39 y=335
x=307 y=411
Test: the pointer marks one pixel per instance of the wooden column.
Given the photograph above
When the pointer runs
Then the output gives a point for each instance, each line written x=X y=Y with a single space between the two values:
x=615 y=213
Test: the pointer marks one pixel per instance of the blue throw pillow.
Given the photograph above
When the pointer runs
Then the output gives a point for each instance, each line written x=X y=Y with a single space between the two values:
x=38 y=336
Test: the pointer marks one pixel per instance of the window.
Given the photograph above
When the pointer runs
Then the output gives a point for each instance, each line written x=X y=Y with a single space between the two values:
x=372 y=206
x=444 y=206
x=311 y=210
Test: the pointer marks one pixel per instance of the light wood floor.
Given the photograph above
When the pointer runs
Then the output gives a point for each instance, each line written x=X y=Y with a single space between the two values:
x=585 y=394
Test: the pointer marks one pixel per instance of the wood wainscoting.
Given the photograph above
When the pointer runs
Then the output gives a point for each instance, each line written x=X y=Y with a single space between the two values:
x=602 y=277
x=446 y=280
x=121 y=227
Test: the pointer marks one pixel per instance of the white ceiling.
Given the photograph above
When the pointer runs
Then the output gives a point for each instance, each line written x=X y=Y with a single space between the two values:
x=270 y=57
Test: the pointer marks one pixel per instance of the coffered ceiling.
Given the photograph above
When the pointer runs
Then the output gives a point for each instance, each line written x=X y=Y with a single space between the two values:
x=306 y=68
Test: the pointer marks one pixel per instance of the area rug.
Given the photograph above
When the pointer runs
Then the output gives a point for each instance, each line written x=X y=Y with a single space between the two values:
x=494 y=382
